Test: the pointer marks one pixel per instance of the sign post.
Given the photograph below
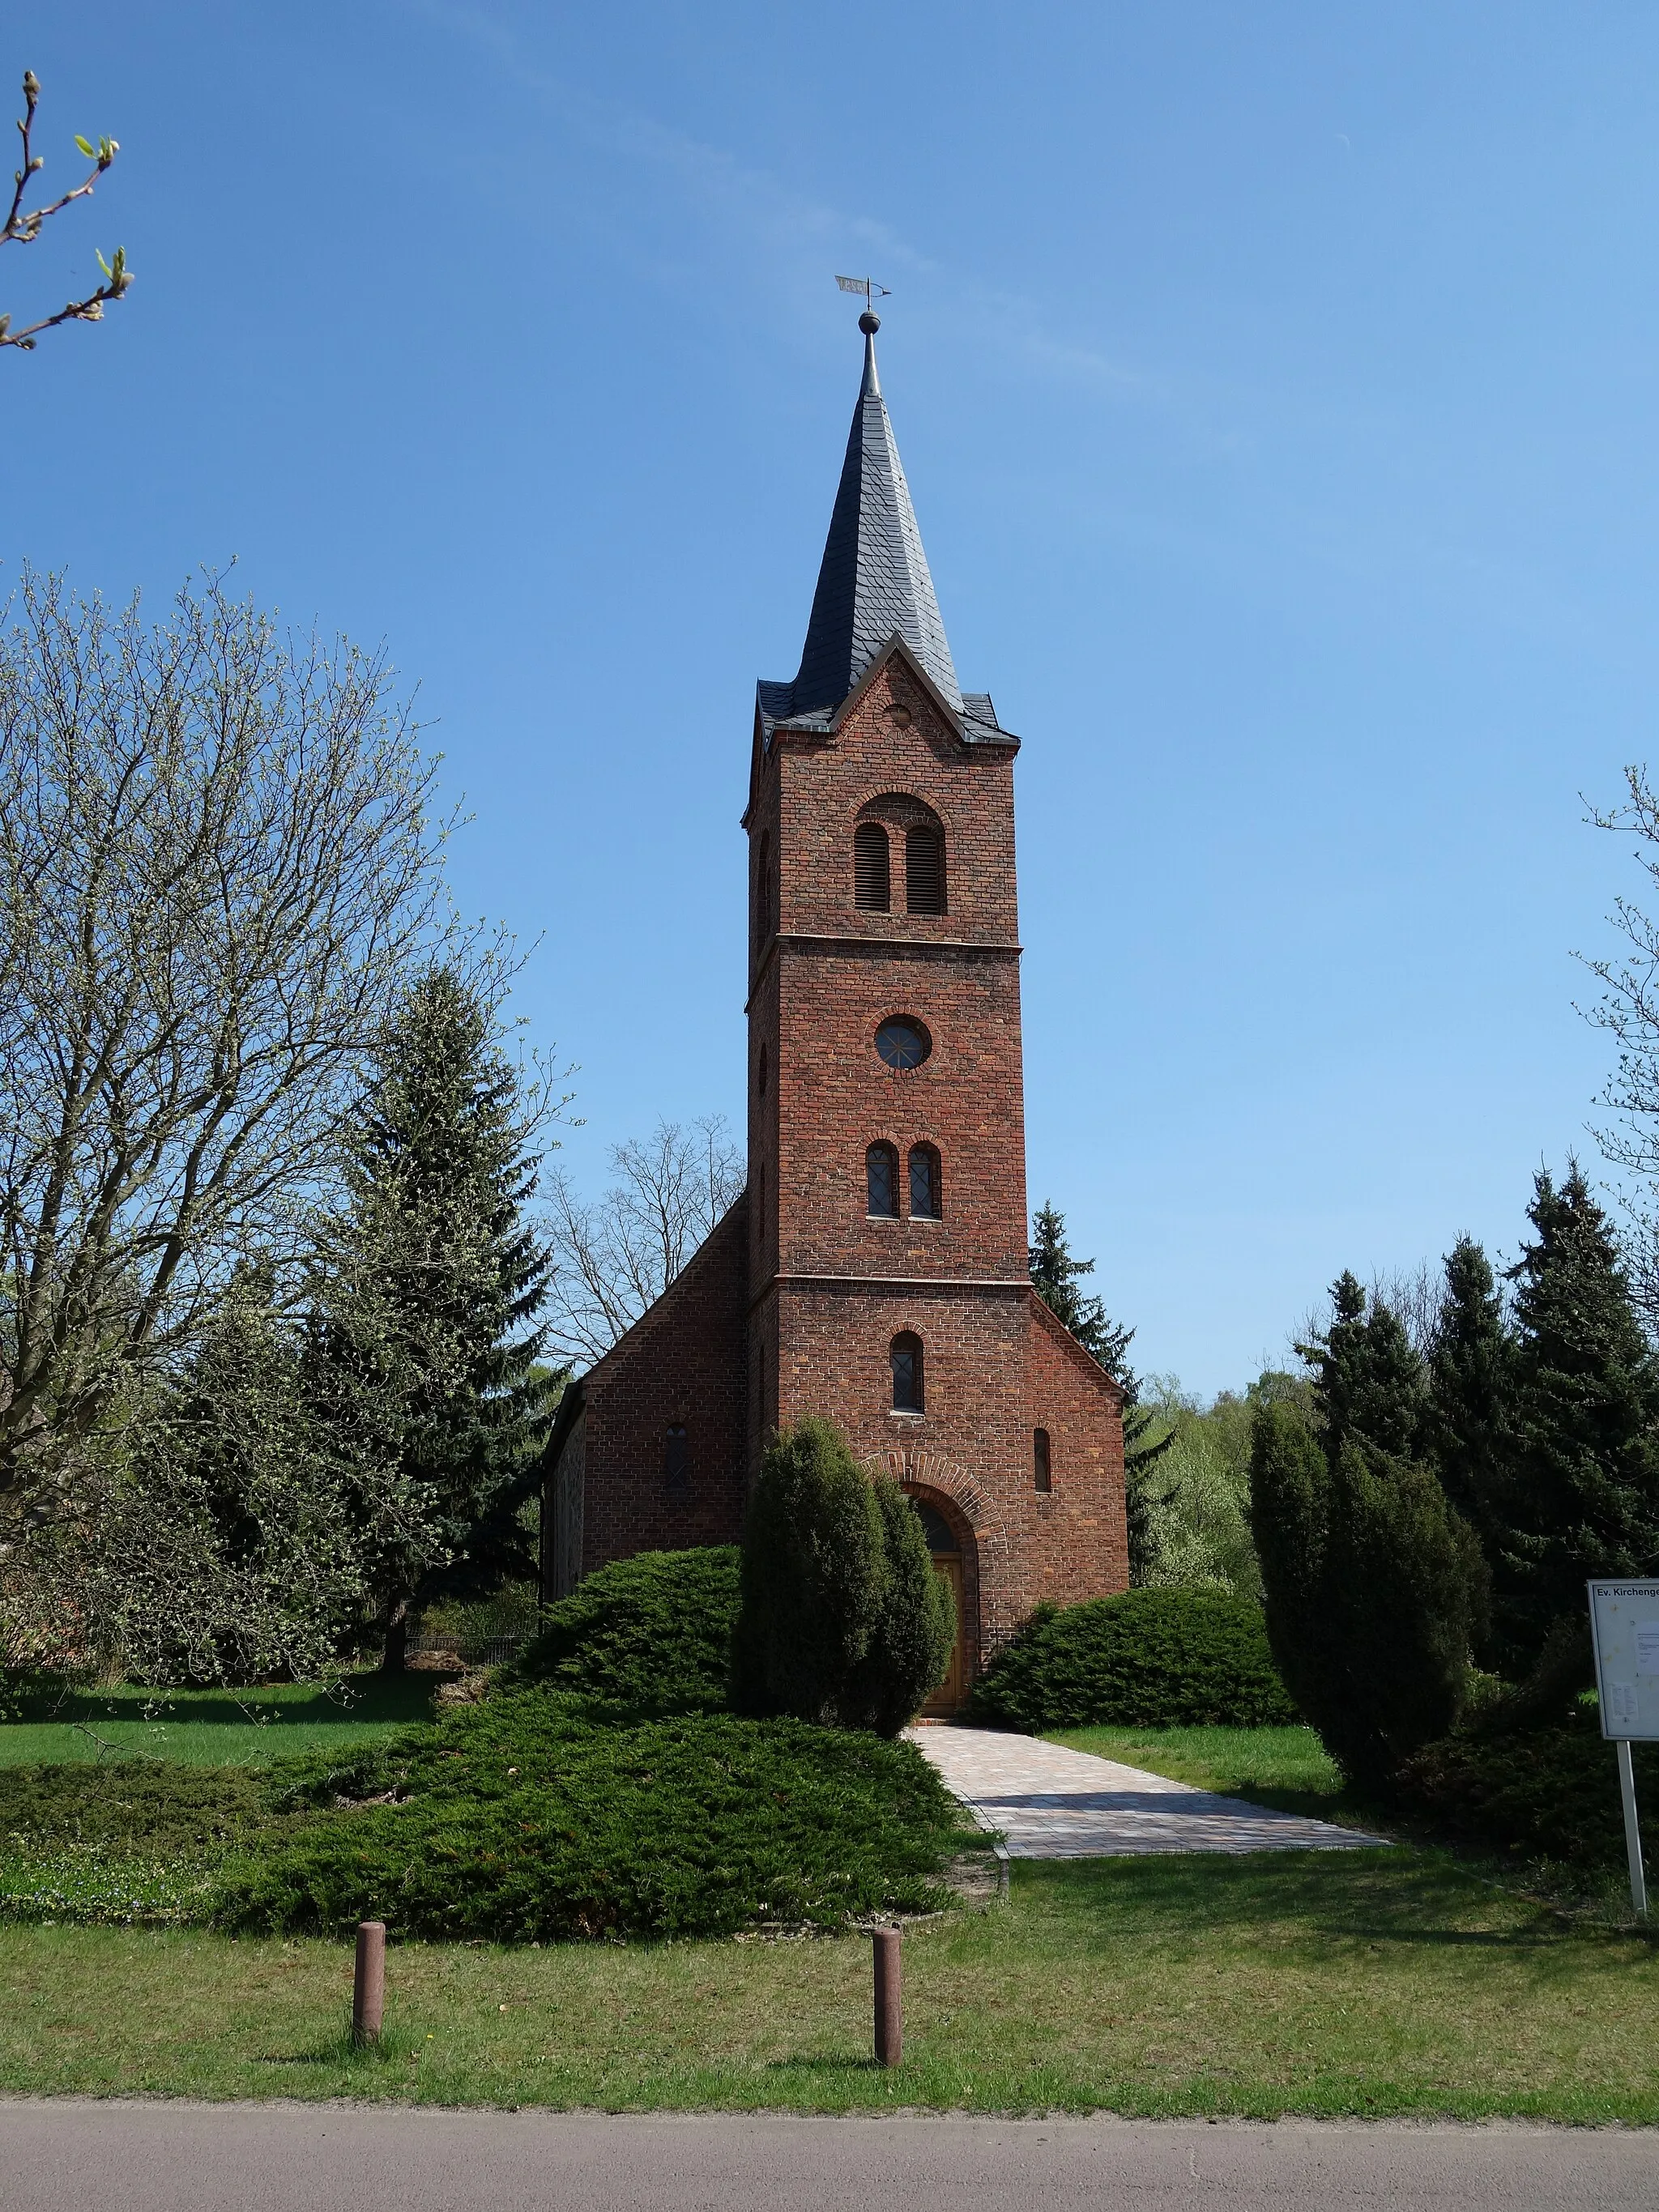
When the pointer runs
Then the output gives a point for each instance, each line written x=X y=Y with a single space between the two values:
x=1625 y=1630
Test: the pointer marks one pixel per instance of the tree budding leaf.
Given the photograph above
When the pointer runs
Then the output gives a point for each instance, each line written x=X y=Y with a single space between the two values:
x=86 y=147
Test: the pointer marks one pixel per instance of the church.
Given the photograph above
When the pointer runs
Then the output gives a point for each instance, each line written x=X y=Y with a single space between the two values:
x=875 y=1269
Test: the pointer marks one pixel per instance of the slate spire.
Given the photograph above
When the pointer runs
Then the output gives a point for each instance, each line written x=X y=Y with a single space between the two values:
x=874 y=577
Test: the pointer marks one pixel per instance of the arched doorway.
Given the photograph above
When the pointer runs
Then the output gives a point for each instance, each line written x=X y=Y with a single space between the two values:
x=948 y=1551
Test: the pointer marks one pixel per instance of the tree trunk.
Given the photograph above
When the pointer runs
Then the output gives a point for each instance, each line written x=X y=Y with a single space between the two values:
x=394 y=1652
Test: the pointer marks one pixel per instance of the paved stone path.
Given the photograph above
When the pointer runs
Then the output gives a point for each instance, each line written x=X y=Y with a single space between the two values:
x=1051 y=1802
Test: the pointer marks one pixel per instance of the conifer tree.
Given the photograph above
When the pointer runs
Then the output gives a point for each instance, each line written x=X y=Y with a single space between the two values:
x=843 y=1621
x=425 y=1343
x=1056 y=1275
x=915 y=1627
x=1471 y=1385
x=1368 y=1382
x=812 y=1577
x=1585 y=1496
x=1373 y=1587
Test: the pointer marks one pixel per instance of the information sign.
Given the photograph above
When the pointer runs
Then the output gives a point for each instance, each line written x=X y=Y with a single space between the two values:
x=1624 y=1625
x=1625 y=1630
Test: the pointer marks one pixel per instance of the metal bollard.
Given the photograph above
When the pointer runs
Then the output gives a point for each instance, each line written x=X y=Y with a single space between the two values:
x=369 y=1982
x=889 y=1998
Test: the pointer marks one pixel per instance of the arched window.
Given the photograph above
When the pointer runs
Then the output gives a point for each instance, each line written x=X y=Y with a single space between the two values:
x=925 y=1201
x=1041 y=1467
x=906 y=1356
x=924 y=869
x=881 y=1180
x=872 y=879
x=677 y=1462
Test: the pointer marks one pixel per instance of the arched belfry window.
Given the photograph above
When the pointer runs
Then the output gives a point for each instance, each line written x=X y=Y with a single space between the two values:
x=924 y=868
x=906 y=1356
x=872 y=879
x=881 y=1181
x=925 y=1201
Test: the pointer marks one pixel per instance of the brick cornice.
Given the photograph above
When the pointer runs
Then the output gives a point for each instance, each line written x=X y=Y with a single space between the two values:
x=815 y=1278
x=836 y=947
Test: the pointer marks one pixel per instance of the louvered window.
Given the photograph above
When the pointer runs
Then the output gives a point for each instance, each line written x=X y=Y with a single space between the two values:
x=1042 y=1467
x=872 y=882
x=906 y=1356
x=881 y=1180
x=676 y=1461
x=924 y=1183
x=924 y=870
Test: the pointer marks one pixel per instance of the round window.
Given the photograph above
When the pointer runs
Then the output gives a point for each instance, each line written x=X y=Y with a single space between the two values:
x=903 y=1043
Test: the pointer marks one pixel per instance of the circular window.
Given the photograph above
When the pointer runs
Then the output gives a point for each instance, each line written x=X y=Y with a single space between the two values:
x=903 y=1043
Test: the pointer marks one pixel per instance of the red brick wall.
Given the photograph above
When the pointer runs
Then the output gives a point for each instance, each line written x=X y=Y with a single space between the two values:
x=682 y=1361
x=996 y=1369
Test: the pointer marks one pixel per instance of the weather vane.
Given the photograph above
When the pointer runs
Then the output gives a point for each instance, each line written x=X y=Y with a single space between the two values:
x=867 y=287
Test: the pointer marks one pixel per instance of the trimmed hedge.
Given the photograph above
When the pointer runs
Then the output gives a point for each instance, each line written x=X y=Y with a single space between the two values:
x=1546 y=1793
x=1152 y=1658
x=649 y=1635
x=520 y=1821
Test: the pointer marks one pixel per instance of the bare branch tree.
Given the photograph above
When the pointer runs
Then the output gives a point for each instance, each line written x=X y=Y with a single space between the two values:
x=614 y=1258
x=217 y=866
x=23 y=226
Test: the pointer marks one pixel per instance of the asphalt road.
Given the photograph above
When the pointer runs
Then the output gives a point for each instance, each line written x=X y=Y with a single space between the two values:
x=66 y=2155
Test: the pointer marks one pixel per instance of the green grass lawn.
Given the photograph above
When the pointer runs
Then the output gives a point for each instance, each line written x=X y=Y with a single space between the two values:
x=1363 y=1982
x=213 y=1728
x=1287 y=1768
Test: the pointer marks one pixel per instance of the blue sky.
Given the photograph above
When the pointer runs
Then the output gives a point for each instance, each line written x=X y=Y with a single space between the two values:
x=1277 y=389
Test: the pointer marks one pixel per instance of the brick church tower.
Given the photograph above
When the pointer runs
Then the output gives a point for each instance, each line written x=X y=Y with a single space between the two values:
x=875 y=1270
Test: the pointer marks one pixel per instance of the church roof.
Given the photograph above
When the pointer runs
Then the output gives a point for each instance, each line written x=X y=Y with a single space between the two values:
x=874 y=587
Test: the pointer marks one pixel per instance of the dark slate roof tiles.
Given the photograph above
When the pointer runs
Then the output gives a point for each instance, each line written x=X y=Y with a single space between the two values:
x=872 y=584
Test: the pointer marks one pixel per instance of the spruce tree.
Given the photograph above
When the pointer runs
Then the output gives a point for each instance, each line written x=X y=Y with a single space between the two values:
x=1368 y=1382
x=425 y=1346
x=1470 y=1386
x=1585 y=1494
x=1056 y=1275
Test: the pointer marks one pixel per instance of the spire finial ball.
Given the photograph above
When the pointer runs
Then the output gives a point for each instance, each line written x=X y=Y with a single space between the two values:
x=869 y=322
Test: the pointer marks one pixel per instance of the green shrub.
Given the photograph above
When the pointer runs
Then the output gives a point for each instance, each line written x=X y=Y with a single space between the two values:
x=652 y=1634
x=1372 y=1590
x=519 y=1820
x=1152 y=1658
x=811 y=1578
x=915 y=1627
x=1547 y=1793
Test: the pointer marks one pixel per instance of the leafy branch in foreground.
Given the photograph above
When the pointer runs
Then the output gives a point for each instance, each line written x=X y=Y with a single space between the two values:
x=23 y=226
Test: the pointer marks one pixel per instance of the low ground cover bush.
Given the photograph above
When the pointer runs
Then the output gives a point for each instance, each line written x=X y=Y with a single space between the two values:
x=1542 y=1793
x=652 y=1634
x=1151 y=1658
x=519 y=1820
x=523 y=1819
